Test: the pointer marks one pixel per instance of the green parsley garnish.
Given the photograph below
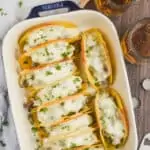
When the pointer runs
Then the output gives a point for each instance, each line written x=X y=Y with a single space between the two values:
x=34 y=130
x=58 y=67
x=86 y=139
x=65 y=127
x=46 y=50
x=68 y=46
x=43 y=37
x=35 y=40
x=51 y=29
x=89 y=49
x=2 y=12
x=76 y=80
x=73 y=145
x=62 y=104
x=48 y=73
x=20 y=3
x=39 y=99
x=44 y=110
x=97 y=84
x=70 y=113
x=32 y=77
x=64 y=54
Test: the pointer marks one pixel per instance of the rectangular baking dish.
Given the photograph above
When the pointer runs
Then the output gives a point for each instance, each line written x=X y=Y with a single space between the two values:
x=84 y=19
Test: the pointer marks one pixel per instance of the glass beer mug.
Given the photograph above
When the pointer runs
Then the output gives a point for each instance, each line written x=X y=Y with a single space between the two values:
x=113 y=7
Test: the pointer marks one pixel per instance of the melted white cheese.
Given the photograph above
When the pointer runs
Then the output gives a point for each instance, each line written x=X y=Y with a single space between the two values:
x=53 y=52
x=81 y=140
x=51 y=74
x=46 y=33
x=110 y=120
x=55 y=112
x=64 y=88
x=96 y=58
x=73 y=125
x=91 y=91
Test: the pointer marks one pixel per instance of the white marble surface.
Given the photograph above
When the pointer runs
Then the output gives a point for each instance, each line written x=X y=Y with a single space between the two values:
x=14 y=14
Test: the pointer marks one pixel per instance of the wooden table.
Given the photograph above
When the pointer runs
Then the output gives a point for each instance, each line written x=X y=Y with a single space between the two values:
x=136 y=74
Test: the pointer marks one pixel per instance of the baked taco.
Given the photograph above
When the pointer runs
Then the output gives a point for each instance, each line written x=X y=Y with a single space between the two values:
x=52 y=113
x=95 y=58
x=46 y=32
x=47 y=53
x=52 y=92
x=46 y=74
x=82 y=139
x=112 y=118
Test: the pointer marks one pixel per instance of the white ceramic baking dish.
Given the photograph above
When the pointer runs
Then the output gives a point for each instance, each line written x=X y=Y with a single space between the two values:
x=84 y=19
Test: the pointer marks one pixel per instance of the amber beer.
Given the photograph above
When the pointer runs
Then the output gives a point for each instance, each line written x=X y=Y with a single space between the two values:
x=113 y=7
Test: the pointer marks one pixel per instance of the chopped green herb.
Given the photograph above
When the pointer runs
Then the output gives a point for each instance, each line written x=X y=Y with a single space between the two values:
x=59 y=97
x=56 y=85
x=68 y=46
x=34 y=130
x=65 y=127
x=97 y=84
x=73 y=145
x=39 y=99
x=89 y=49
x=50 y=58
x=20 y=3
x=25 y=83
x=2 y=12
x=86 y=149
x=43 y=37
x=32 y=77
x=70 y=113
x=46 y=50
x=46 y=97
x=58 y=67
x=53 y=96
x=62 y=104
x=48 y=73
x=76 y=80
x=64 y=54
x=35 y=40
x=86 y=139
x=51 y=29
x=44 y=110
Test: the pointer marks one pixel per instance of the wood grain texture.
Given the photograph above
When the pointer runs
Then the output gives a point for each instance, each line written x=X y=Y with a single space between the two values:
x=136 y=74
